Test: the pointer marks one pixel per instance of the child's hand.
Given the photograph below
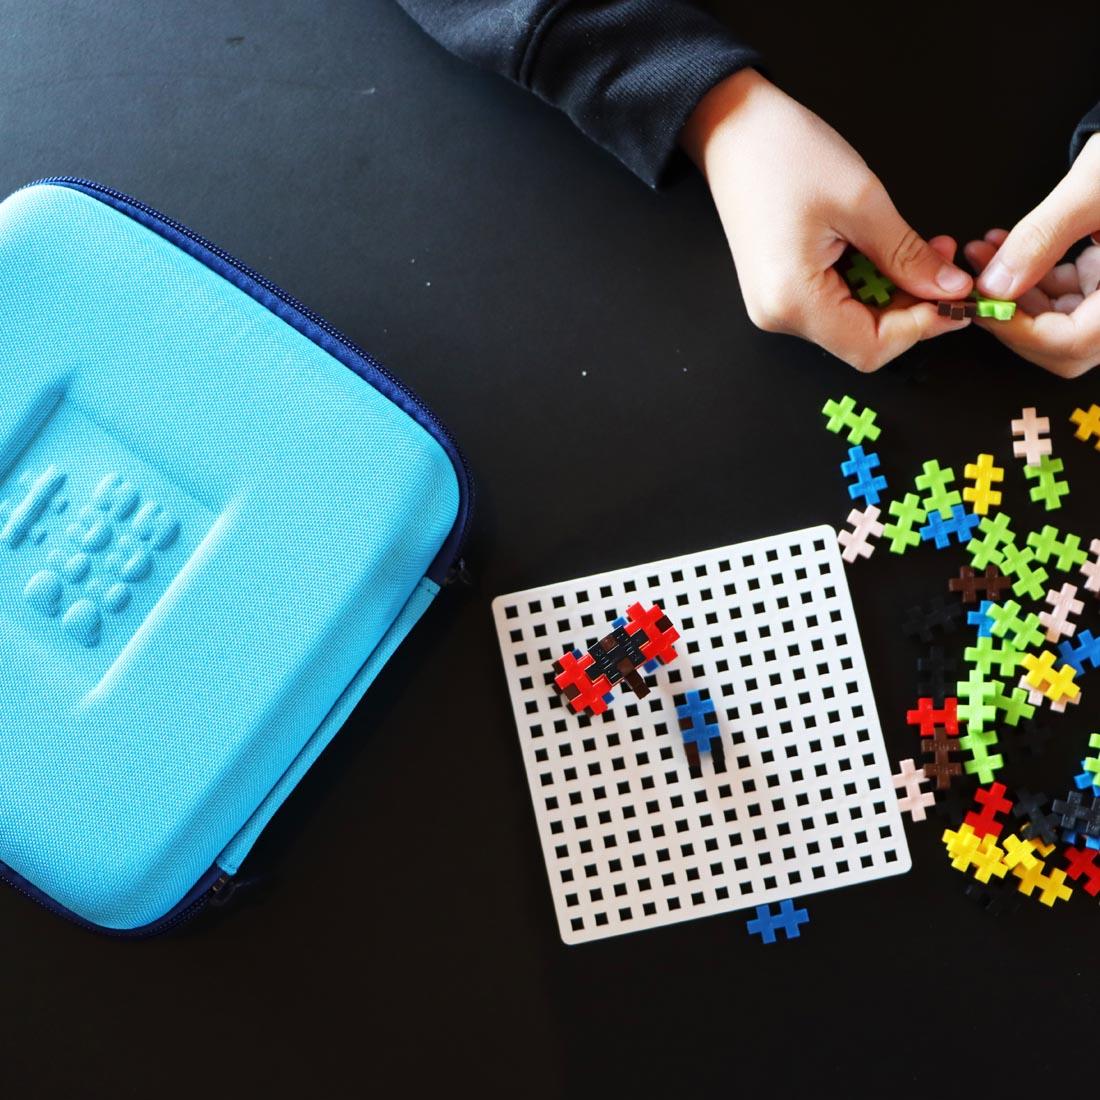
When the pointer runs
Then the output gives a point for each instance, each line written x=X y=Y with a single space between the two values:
x=792 y=195
x=1057 y=322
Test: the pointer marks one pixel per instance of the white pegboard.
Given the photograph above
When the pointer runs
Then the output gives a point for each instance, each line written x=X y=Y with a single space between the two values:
x=631 y=839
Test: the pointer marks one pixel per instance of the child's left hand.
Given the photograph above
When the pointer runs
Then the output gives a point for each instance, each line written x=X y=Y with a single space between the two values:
x=1057 y=322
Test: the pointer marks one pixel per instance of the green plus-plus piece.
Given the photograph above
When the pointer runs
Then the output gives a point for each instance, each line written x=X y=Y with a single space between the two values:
x=842 y=416
x=982 y=762
x=869 y=283
x=978 y=708
x=1022 y=633
x=1030 y=579
x=985 y=655
x=933 y=482
x=1013 y=707
x=1092 y=763
x=908 y=513
x=1067 y=554
x=995 y=533
x=1050 y=490
x=997 y=308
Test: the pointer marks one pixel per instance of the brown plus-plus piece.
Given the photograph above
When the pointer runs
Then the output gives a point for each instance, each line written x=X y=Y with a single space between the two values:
x=957 y=311
x=990 y=585
x=942 y=769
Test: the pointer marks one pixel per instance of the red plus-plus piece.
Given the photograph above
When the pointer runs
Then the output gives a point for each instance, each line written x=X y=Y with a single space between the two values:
x=1083 y=862
x=992 y=802
x=928 y=717
x=578 y=687
x=659 y=638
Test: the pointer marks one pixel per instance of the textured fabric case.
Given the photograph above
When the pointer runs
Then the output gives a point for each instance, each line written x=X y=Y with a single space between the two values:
x=217 y=520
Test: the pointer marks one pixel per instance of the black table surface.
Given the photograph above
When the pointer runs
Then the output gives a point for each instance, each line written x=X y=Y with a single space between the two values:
x=400 y=935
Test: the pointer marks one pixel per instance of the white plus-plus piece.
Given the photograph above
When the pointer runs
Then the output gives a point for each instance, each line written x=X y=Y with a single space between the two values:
x=1091 y=569
x=1063 y=603
x=1031 y=430
x=798 y=801
x=865 y=526
x=914 y=801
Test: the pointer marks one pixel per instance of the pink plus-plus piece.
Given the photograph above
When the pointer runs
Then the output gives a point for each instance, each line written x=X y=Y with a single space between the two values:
x=1031 y=440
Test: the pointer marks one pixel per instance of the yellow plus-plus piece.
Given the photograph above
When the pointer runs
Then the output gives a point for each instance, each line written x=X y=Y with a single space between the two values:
x=1088 y=423
x=983 y=473
x=989 y=860
x=1055 y=684
x=1042 y=847
x=961 y=845
x=1019 y=853
x=1051 y=887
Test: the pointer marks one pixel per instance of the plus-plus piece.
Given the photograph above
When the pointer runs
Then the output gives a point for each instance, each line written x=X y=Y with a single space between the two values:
x=1049 y=491
x=1082 y=863
x=941 y=768
x=914 y=801
x=1088 y=424
x=982 y=763
x=978 y=708
x=1042 y=676
x=990 y=584
x=1063 y=603
x=860 y=466
x=936 y=675
x=1078 y=815
x=787 y=920
x=857 y=542
x=1084 y=653
x=842 y=417
x=985 y=656
x=958 y=311
x=1032 y=737
x=930 y=718
x=1031 y=440
x=1030 y=579
x=868 y=282
x=961 y=525
x=1091 y=568
x=995 y=897
x=1013 y=706
x=992 y=801
x=940 y=617
x=699 y=729
x=907 y=513
x=1051 y=887
x=995 y=534
x=933 y=482
x=1000 y=309
x=586 y=679
x=984 y=474
x=981 y=619
x=1023 y=632
x=1039 y=823
x=1066 y=554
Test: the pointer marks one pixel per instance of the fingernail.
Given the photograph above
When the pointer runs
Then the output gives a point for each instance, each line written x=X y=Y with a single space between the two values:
x=951 y=279
x=996 y=280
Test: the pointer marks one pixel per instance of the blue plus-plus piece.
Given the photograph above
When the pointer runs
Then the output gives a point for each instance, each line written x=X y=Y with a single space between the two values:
x=1085 y=651
x=981 y=619
x=1084 y=781
x=859 y=466
x=961 y=524
x=766 y=924
x=696 y=708
x=1071 y=837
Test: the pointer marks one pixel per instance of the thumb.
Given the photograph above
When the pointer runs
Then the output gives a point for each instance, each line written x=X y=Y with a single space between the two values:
x=1039 y=240
x=898 y=250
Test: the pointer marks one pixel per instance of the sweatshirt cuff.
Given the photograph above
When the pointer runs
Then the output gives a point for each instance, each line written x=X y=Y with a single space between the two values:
x=1088 y=126
x=630 y=73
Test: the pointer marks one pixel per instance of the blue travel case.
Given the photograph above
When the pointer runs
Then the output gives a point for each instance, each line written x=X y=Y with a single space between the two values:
x=218 y=518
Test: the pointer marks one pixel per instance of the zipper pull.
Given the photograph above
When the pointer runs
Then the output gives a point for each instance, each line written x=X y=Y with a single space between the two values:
x=460 y=574
x=222 y=891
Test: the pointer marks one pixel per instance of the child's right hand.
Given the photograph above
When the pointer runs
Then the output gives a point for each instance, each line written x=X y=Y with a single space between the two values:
x=792 y=195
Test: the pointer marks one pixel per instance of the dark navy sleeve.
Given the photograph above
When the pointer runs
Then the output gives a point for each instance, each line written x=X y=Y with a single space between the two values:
x=627 y=72
x=1088 y=126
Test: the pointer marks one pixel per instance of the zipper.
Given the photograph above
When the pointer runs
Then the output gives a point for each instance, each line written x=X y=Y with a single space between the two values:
x=448 y=565
x=209 y=890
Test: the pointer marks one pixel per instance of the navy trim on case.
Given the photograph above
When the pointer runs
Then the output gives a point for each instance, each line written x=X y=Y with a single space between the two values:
x=314 y=327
